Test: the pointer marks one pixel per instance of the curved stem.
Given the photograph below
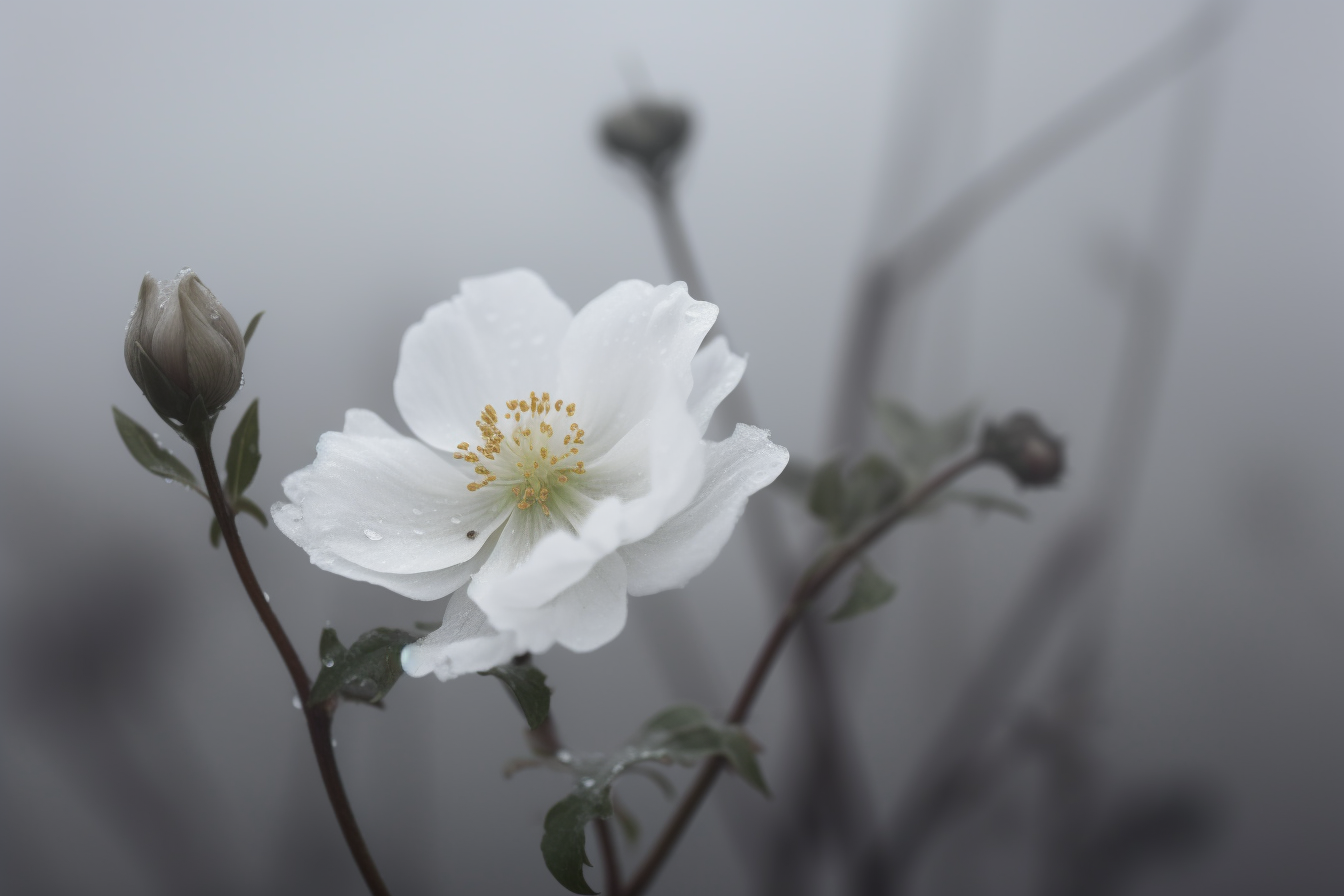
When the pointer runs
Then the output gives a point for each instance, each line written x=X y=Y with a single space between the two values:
x=317 y=717
x=812 y=583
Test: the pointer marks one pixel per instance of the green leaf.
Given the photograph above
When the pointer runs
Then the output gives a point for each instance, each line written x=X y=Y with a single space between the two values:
x=562 y=839
x=845 y=498
x=215 y=533
x=244 y=505
x=244 y=455
x=626 y=819
x=918 y=442
x=252 y=327
x=984 y=502
x=826 y=497
x=150 y=454
x=679 y=734
x=365 y=671
x=527 y=685
x=868 y=592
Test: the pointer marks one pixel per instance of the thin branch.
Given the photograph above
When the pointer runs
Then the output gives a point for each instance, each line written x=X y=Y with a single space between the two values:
x=317 y=717
x=809 y=586
x=947 y=230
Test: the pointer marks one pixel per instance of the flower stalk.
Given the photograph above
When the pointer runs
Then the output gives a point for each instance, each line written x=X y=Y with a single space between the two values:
x=318 y=717
x=809 y=587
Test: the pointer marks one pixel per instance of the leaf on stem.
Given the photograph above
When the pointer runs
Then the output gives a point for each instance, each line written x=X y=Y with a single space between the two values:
x=683 y=735
x=252 y=327
x=527 y=685
x=365 y=671
x=868 y=592
x=245 y=505
x=150 y=454
x=982 y=502
x=244 y=455
x=844 y=498
x=215 y=533
x=918 y=442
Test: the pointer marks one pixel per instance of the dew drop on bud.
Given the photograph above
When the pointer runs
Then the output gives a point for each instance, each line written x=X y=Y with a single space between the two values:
x=372 y=535
x=328 y=663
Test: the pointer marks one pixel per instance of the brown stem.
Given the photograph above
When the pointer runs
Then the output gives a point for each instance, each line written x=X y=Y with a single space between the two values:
x=610 y=863
x=318 y=717
x=812 y=583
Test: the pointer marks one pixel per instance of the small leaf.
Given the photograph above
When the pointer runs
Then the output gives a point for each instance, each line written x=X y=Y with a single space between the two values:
x=826 y=497
x=626 y=819
x=985 y=502
x=919 y=442
x=741 y=755
x=364 y=672
x=675 y=718
x=562 y=840
x=528 y=686
x=868 y=592
x=215 y=534
x=150 y=454
x=252 y=327
x=244 y=505
x=244 y=455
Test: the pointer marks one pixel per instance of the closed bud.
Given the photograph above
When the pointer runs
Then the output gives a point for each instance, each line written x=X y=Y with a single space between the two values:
x=1023 y=447
x=649 y=133
x=181 y=345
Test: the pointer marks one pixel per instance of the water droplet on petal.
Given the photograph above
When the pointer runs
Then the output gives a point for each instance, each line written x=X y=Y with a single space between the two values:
x=455 y=521
x=372 y=535
x=418 y=531
x=416 y=510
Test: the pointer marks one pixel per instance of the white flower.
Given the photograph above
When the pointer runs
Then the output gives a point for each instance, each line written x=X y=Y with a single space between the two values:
x=559 y=466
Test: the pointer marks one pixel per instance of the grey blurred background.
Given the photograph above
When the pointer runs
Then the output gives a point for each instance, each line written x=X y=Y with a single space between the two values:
x=1165 y=292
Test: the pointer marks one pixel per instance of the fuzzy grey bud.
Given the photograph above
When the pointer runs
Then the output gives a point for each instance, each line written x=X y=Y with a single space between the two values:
x=649 y=133
x=182 y=344
x=1024 y=447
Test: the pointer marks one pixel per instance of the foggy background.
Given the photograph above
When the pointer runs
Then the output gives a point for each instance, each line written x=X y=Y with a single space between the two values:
x=342 y=166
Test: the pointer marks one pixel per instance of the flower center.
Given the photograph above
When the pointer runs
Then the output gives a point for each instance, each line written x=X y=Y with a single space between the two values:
x=524 y=452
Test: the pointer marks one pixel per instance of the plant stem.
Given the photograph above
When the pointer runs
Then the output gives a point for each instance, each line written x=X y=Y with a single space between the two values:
x=809 y=586
x=610 y=864
x=317 y=717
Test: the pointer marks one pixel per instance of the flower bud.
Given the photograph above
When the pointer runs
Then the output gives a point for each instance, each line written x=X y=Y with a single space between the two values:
x=649 y=133
x=1023 y=447
x=181 y=344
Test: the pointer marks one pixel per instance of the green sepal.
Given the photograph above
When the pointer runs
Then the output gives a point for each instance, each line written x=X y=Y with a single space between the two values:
x=244 y=455
x=365 y=671
x=527 y=685
x=168 y=401
x=150 y=454
x=867 y=592
x=252 y=327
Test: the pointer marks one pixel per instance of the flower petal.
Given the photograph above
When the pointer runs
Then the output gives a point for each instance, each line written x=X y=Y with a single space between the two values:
x=583 y=617
x=717 y=371
x=417 y=586
x=623 y=349
x=387 y=503
x=524 y=574
x=466 y=642
x=497 y=339
x=681 y=548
